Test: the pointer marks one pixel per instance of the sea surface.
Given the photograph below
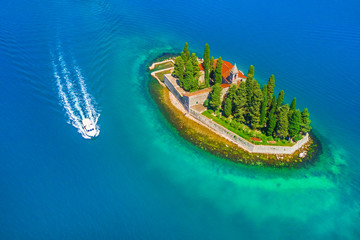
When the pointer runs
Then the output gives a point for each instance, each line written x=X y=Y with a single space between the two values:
x=64 y=60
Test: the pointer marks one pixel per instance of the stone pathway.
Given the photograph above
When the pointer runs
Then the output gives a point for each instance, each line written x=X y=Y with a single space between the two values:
x=158 y=63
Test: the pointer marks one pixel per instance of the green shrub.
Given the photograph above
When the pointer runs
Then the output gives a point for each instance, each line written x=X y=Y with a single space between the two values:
x=227 y=120
x=297 y=137
x=210 y=111
x=206 y=103
x=234 y=124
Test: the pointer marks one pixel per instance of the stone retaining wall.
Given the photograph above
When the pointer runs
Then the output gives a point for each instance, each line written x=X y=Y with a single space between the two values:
x=244 y=144
x=252 y=148
x=172 y=89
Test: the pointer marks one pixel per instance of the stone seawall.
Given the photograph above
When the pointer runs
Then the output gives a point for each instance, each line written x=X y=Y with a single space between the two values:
x=244 y=144
x=172 y=89
x=252 y=148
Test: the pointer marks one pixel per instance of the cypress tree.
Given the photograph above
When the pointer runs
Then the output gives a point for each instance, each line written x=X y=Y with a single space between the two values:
x=183 y=56
x=254 y=109
x=282 y=129
x=305 y=121
x=280 y=99
x=189 y=76
x=227 y=107
x=240 y=115
x=212 y=68
x=215 y=95
x=186 y=52
x=249 y=85
x=232 y=92
x=251 y=71
x=179 y=68
x=271 y=87
x=218 y=71
x=293 y=104
x=239 y=103
x=263 y=105
x=207 y=63
x=272 y=119
x=273 y=103
x=196 y=68
x=294 y=123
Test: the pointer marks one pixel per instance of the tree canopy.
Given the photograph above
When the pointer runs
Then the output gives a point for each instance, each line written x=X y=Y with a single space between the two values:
x=294 y=123
x=305 y=121
x=214 y=96
x=248 y=104
x=218 y=71
x=186 y=69
x=207 y=63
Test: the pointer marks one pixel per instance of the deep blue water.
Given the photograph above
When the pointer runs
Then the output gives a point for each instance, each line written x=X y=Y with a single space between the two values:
x=139 y=179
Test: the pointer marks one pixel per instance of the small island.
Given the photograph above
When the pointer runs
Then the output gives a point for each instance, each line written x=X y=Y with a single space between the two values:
x=215 y=106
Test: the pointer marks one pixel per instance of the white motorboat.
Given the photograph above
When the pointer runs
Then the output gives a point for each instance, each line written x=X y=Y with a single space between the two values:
x=89 y=127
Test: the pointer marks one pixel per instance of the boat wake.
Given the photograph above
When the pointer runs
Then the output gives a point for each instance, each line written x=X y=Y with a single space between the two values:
x=74 y=97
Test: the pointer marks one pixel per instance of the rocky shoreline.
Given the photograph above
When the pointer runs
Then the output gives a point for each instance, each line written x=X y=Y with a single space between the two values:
x=204 y=138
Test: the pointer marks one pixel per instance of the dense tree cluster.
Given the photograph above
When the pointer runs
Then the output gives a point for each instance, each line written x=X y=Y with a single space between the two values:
x=258 y=108
x=189 y=75
x=187 y=70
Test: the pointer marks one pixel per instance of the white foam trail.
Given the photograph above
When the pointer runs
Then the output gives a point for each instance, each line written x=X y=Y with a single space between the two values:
x=73 y=118
x=87 y=98
x=69 y=85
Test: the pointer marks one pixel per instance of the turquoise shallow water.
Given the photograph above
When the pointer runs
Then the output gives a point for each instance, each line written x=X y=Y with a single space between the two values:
x=139 y=179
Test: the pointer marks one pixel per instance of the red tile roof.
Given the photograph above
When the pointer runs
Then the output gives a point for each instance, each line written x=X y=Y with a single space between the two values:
x=226 y=68
x=189 y=94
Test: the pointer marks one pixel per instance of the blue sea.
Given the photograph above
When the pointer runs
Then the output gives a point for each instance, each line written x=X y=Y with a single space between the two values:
x=64 y=60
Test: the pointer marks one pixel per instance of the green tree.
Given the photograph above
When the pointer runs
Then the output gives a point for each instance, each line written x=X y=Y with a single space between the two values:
x=196 y=68
x=254 y=109
x=282 y=129
x=215 y=95
x=249 y=85
x=227 y=107
x=183 y=56
x=271 y=87
x=263 y=106
x=251 y=71
x=232 y=92
x=186 y=52
x=273 y=103
x=189 y=76
x=294 y=123
x=305 y=121
x=271 y=124
x=218 y=71
x=179 y=69
x=239 y=103
x=207 y=63
x=280 y=99
x=293 y=104
x=212 y=68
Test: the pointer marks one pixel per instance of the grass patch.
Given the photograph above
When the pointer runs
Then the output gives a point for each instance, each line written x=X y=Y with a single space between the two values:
x=243 y=131
x=163 y=66
x=206 y=139
x=160 y=75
